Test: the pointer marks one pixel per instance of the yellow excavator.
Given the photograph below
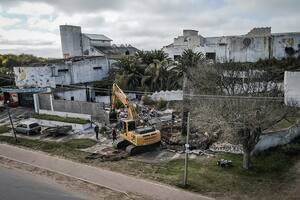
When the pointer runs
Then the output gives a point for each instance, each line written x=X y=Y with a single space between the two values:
x=132 y=138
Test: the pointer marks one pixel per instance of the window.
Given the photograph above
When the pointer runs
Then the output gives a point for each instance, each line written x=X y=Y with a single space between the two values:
x=63 y=70
x=177 y=57
x=131 y=125
x=96 y=68
x=210 y=55
x=72 y=98
x=33 y=125
x=22 y=126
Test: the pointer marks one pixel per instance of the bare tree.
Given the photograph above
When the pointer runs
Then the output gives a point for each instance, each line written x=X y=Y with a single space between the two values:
x=245 y=101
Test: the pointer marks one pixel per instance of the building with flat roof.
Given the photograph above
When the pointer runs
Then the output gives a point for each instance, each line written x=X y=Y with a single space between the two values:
x=76 y=43
x=259 y=43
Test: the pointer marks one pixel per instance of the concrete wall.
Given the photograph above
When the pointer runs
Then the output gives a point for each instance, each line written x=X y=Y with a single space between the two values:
x=44 y=101
x=95 y=110
x=276 y=139
x=292 y=88
x=78 y=95
x=71 y=42
x=63 y=72
x=34 y=77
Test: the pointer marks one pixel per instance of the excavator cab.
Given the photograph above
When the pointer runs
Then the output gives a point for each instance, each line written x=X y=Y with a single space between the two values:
x=128 y=125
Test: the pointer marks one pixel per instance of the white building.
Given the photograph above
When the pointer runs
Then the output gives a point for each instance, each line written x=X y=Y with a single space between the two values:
x=75 y=74
x=76 y=43
x=292 y=88
x=61 y=72
x=259 y=43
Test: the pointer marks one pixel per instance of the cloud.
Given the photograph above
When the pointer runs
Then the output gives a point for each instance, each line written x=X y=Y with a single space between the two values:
x=27 y=8
x=25 y=42
x=5 y=21
x=145 y=24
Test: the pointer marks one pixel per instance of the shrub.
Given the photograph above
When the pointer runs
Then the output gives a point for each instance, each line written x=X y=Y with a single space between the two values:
x=161 y=104
x=4 y=129
x=147 y=100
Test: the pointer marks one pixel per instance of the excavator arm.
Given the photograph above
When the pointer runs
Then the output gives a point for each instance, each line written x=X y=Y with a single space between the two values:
x=117 y=93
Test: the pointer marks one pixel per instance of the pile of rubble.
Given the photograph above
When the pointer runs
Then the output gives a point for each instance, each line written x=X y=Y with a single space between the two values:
x=226 y=147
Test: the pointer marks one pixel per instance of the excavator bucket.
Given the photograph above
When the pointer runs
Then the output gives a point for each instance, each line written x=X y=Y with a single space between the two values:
x=113 y=116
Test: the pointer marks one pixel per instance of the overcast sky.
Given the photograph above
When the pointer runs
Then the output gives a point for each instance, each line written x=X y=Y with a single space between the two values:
x=32 y=26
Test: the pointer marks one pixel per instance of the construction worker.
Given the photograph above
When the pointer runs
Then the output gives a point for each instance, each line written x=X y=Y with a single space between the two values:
x=114 y=135
x=96 y=129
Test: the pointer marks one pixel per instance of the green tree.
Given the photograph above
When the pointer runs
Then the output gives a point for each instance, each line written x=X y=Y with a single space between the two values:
x=188 y=61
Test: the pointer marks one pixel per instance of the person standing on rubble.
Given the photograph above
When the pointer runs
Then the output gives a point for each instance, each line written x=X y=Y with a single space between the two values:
x=114 y=135
x=96 y=129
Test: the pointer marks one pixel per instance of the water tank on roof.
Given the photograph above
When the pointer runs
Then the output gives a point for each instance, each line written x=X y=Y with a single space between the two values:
x=71 y=40
x=190 y=33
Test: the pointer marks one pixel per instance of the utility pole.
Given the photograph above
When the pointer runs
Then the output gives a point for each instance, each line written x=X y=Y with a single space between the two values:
x=187 y=149
x=11 y=122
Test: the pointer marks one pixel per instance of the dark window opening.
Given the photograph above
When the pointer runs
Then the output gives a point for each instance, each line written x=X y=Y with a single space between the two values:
x=222 y=44
x=289 y=51
x=131 y=126
x=127 y=52
x=95 y=68
x=210 y=55
x=63 y=70
x=72 y=98
x=177 y=57
x=86 y=52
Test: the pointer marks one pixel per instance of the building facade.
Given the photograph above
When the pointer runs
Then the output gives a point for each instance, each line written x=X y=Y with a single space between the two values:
x=76 y=43
x=77 y=70
x=259 y=43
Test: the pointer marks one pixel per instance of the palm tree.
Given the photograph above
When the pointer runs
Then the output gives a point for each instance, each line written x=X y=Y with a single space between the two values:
x=187 y=62
x=131 y=72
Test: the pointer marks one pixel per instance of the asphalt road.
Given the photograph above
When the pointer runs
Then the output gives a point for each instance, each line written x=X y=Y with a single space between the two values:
x=17 y=185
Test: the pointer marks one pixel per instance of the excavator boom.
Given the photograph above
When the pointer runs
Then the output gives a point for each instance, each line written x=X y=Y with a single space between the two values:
x=118 y=93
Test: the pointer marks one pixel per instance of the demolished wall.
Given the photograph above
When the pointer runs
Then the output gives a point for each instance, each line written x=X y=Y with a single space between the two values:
x=96 y=110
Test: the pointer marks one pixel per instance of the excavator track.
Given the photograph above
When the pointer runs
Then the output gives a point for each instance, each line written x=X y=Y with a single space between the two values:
x=134 y=150
x=121 y=144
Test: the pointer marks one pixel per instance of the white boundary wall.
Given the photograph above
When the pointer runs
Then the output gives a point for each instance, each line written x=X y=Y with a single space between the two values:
x=292 y=88
x=66 y=114
x=173 y=95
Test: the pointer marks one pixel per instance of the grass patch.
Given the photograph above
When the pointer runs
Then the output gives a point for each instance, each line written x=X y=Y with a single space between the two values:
x=61 y=119
x=271 y=170
x=80 y=143
x=4 y=129
x=281 y=125
x=70 y=149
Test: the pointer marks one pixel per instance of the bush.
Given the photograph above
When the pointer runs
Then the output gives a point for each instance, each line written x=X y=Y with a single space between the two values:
x=61 y=119
x=4 y=129
x=147 y=100
x=161 y=104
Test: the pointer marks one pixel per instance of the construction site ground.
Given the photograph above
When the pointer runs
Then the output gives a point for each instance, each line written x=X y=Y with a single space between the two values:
x=274 y=176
